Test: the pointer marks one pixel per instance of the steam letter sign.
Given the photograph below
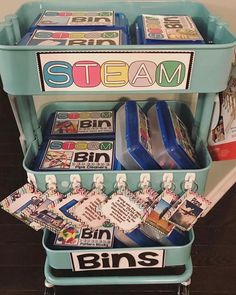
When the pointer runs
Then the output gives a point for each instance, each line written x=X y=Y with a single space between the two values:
x=115 y=71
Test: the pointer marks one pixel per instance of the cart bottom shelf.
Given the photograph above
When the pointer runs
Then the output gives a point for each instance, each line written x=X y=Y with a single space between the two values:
x=72 y=279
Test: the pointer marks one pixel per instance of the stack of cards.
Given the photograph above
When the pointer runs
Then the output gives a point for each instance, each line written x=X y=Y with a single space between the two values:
x=78 y=140
x=53 y=28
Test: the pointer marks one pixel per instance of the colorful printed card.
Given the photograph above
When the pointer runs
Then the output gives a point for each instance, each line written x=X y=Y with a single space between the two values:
x=82 y=155
x=187 y=210
x=87 y=213
x=67 y=38
x=44 y=215
x=83 y=122
x=22 y=203
x=76 y=18
x=62 y=209
x=85 y=237
x=122 y=210
x=170 y=27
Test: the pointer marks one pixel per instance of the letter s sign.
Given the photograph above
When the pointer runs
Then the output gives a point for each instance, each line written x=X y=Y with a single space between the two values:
x=58 y=74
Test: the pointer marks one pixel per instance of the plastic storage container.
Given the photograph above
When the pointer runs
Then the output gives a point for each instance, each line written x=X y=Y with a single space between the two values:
x=92 y=27
x=133 y=176
x=133 y=144
x=170 y=140
x=81 y=21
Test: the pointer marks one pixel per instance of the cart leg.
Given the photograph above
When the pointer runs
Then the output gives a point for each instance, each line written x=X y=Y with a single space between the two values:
x=184 y=288
x=49 y=289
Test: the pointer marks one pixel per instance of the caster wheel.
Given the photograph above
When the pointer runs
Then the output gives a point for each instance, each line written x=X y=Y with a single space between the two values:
x=183 y=290
x=49 y=291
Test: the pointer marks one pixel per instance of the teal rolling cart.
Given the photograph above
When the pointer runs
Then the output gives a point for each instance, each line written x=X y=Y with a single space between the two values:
x=31 y=71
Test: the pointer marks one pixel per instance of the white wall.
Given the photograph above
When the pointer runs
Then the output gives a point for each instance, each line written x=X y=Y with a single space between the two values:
x=226 y=10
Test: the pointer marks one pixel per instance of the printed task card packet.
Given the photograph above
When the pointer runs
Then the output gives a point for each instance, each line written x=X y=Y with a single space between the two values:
x=22 y=203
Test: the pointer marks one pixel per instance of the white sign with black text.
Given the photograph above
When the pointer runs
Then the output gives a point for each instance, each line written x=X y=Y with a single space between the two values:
x=110 y=260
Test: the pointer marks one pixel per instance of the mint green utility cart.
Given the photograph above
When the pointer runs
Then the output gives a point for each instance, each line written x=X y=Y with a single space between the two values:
x=27 y=72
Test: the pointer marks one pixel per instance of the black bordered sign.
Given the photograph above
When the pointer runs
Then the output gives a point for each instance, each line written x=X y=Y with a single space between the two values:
x=110 y=260
x=115 y=70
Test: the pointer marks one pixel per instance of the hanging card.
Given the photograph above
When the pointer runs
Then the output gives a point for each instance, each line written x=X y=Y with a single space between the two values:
x=77 y=195
x=186 y=211
x=86 y=211
x=44 y=215
x=22 y=203
x=128 y=210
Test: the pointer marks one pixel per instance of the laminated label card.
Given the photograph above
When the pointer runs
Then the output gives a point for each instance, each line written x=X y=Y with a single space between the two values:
x=55 y=38
x=85 y=237
x=83 y=122
x=76 y=18
x=83 y=155
x=170 y=27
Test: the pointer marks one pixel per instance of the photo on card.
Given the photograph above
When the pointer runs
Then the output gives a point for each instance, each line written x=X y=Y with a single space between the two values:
x=156 y=221
x=53 y=20
x=162 y=207
x=57 y=160
x=65 y=127
x=69 y=236
x=44 y=216
x=46 y=42
x=186 y=215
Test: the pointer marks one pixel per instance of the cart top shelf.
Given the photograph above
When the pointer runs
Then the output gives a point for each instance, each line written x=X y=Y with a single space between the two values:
x=27 y=70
